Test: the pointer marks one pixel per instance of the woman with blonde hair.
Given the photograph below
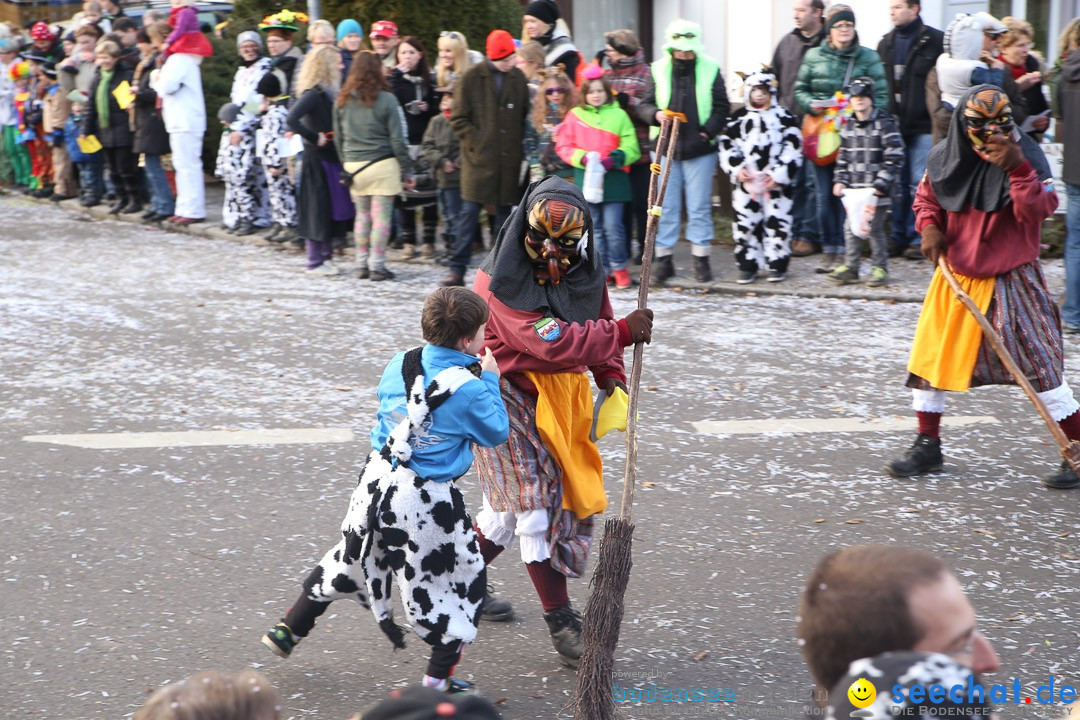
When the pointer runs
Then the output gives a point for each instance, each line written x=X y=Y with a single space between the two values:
x=370 y=140
x=555 y=97
x=455 y=57
x=325 y=210
x=531 y=62
x=1027 y=70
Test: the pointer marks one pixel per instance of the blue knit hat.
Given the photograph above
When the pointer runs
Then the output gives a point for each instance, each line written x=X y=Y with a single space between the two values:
x=348 y=26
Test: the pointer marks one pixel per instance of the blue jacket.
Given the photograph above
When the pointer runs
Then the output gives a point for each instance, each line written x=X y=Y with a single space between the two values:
x=72 y=130
x=474 y=414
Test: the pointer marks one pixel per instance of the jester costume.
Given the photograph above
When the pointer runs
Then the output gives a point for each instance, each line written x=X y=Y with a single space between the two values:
x=550 y=322
x=988 y=215
x=19 y=134
x=407 y=521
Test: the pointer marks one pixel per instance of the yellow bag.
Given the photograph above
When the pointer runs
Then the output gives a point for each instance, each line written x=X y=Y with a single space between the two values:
x=609 y=413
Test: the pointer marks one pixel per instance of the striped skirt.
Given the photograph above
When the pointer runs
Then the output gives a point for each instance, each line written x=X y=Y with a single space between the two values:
x=1029 y=323
x=521 y=475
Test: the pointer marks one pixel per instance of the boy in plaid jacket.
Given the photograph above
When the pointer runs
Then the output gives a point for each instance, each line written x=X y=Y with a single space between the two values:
x=871 y=158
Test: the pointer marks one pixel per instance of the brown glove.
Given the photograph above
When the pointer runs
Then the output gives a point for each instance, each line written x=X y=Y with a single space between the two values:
x=1002 y=151
x=640 y=324
x=933 y=243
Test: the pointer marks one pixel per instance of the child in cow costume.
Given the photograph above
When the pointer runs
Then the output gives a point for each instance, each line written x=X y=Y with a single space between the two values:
x=407 y=520
x=550 y=322
x=760 y=149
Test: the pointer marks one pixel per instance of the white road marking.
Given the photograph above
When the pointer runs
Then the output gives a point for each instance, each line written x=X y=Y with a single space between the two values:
x=827 y=425
x=198 y=438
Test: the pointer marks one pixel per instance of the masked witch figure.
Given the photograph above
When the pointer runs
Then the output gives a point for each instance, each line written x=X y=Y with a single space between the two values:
x=550 y=322
x=986 y=192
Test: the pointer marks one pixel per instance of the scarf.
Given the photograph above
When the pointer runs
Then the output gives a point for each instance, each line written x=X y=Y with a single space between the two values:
x=578 y=297
x=962 y=179
x=102 y=97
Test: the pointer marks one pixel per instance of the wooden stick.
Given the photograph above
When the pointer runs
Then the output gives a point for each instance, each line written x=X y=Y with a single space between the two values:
x=1069 y=450
x=669 y=132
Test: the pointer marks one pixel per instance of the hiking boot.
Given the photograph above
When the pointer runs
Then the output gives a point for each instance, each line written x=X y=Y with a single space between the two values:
x=923 y=457
x=746 y=277
x=280 y=640
x=363 y=273
x=408 y=252
x=914 y=253
x=564 y=624
x=381 y=274
x=493 y=609
x=829 y=262
x=275 y=230
x=453 y=279
x=623 y=279
x=427 y=251
x=802 y=248
x=878 y=277
x=843 y=275
x=663 y=270
x=1065 y=479
x=702 y=271
x=776 y=276
x=131 y=208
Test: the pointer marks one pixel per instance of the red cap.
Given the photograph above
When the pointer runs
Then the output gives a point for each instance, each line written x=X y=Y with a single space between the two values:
x=41 y=31
x=383 y=28
x=500 y=44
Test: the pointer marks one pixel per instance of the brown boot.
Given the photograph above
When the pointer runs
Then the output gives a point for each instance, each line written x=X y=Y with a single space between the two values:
x=452 y=279
x=802 y=248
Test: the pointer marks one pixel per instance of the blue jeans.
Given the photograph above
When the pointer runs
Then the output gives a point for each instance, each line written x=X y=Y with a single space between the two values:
x=610 y=234
x=830 y=211
x=1070 y=312
x=450 y=202
x=695 y=178
x=91 y=183
x=161 y=197
x=804 y=222
x=467 y=225
x=916 y=150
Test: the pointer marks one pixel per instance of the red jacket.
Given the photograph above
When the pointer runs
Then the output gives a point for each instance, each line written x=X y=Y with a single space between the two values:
x=984 y=244
x=517 y=346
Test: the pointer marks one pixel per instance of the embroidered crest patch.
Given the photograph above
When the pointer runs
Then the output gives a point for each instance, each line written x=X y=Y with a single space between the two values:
x=548 y=329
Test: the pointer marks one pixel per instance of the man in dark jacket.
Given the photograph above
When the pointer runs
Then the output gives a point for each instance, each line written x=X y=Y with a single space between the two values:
x=1069 y=99
x=908 y=54
x=687 y=81
x=491 y=106
x=809 y=32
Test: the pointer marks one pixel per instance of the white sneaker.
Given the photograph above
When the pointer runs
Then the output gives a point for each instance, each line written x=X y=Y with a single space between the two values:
x=327 y=268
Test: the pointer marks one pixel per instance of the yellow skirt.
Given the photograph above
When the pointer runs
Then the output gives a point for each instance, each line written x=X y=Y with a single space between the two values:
x=381 y=178
x=948 y=336
x=564 y=410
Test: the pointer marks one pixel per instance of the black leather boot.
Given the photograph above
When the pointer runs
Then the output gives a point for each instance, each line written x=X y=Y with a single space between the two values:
x=702 y=271
x=663 y=270
x=923 y=457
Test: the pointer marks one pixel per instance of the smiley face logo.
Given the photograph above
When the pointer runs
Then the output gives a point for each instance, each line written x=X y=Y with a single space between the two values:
x=862 y=693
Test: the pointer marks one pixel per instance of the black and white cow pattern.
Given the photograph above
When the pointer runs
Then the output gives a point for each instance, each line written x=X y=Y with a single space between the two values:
x=279 y=183
x=768 y=143
x=416 y=532
x=245 y=184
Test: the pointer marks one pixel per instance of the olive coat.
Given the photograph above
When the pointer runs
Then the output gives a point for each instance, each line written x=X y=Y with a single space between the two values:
x=492 y=134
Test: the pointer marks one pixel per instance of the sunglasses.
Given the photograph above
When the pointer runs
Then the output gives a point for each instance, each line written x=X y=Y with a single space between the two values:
x=450 y=34
x=555 y=91
x=686 y=35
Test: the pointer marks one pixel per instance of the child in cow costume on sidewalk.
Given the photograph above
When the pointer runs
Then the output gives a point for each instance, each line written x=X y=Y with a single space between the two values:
x=407 y=520
x=550 y=322
x=760 y=149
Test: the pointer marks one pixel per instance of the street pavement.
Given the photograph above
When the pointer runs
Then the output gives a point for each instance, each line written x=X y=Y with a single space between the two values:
x=144 y=558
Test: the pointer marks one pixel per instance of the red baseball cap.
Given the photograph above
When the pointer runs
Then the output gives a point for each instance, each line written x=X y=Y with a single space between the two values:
x=383 y=28
x=500 y=44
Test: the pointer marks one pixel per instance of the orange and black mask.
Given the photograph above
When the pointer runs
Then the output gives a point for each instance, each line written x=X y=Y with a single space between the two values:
x=555 y=239
x=987 y=113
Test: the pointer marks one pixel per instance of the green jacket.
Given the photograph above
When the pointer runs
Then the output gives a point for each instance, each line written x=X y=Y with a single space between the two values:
x=363 y=134
x=823 y=70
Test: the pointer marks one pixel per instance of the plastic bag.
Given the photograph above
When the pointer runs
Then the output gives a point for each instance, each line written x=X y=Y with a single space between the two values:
x=593 y=187
x=861 y=206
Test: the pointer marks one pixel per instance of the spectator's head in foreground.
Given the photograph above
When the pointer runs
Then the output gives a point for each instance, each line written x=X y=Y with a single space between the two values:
x=214 y=695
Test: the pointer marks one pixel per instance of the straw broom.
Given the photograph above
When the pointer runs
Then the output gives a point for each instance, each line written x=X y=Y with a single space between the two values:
x=604 y=609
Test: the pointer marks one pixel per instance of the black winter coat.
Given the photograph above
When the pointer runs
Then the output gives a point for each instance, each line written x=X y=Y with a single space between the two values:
x=150 y=135
x=911 y=110
x=118 y=133
x=407 y=89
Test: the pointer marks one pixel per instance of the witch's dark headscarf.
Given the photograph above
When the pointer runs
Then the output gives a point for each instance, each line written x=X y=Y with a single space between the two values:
x=961 y=178
x=580 y=292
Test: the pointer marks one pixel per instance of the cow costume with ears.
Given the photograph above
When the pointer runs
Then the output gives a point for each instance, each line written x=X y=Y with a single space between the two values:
x=761 y=150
